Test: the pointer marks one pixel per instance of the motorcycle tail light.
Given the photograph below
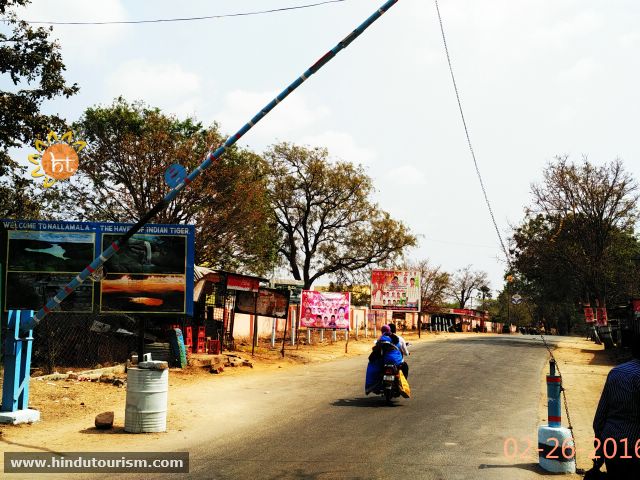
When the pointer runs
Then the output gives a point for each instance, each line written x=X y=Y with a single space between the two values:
x=388 y=371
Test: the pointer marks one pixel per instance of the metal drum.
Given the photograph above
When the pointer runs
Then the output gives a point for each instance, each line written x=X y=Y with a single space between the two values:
x=146 y=409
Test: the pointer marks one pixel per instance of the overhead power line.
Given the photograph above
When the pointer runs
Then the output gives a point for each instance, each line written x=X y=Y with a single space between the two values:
x=466 y=132
x=495 y=224
x=189 y=19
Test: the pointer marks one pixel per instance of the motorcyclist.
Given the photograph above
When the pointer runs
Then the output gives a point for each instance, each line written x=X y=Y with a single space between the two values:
x=390 y=346
x=385 y=351
x=402 y=345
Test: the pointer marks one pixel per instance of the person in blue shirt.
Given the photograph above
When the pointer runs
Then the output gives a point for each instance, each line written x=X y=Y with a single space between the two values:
x=385 y=351
x=618 y=418
x=390 y=346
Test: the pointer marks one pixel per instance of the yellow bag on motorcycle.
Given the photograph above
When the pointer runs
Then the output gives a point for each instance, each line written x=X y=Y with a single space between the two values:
x=405 y=389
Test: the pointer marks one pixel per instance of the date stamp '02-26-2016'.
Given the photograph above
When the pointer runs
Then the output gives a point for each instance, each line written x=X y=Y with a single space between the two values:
x=608 y=448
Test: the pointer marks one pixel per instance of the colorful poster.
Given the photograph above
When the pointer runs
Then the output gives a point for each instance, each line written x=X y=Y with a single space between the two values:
x=397 y=290
x=325 y=309
x=130 y=293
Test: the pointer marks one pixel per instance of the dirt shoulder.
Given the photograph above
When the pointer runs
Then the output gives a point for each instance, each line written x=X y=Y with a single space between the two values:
x=584 y=366
x=68 y=407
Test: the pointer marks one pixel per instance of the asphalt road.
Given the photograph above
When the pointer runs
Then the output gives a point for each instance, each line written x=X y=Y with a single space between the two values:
x=315 y=422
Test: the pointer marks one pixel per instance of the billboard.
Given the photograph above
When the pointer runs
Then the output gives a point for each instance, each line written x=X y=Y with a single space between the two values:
x=396 y=290
x=269 y=303
x=325 y=309
x=153 y=274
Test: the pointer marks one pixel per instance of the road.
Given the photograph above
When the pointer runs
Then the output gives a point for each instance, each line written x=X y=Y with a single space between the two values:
x=315 y=422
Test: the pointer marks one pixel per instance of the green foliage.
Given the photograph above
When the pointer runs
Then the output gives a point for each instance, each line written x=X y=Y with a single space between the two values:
x=576 y=244
x=121 y=177
x=326 y=220
x=31 y=67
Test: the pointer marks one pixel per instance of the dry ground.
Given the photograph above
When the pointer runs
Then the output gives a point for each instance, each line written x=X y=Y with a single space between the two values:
x=68 y=408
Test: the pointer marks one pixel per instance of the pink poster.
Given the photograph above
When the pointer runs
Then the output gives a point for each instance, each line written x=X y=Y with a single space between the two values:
x=325 y=309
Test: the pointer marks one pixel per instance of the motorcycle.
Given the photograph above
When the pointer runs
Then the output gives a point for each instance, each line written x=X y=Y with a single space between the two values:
x=385 y=379
x=390 y=387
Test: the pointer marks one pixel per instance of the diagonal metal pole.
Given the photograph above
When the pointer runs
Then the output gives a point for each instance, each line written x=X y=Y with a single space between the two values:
x=55 y=301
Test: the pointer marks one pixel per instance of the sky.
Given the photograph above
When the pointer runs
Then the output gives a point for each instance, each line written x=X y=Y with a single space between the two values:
x=537 y=79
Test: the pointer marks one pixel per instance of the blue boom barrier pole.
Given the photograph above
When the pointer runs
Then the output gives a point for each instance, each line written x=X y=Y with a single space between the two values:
x=55 y=301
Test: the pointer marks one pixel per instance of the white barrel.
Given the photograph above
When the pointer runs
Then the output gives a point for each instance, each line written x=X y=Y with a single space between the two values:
x=550 y=443
x=146 y=409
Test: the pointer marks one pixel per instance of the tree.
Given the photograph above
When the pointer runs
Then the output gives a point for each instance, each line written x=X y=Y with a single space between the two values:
x=464 y=282
x=501 y=311
x=591 y=207
x=327 y=223
x=121 y=177
x=576 y=244
x=434 y=285
x=31 y=67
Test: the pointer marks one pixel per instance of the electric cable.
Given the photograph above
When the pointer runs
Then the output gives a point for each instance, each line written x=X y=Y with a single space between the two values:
x=188 y=19
x=495 y=224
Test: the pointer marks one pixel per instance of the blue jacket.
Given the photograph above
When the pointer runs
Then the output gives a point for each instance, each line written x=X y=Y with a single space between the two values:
x=391 y=354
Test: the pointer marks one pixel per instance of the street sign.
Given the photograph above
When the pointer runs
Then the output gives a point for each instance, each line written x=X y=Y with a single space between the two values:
x=516 y=299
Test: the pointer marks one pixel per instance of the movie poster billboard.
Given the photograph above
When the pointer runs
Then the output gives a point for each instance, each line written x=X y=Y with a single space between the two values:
x=396 y=290
x=152 y=274
x=325 y=309
x=266 y=302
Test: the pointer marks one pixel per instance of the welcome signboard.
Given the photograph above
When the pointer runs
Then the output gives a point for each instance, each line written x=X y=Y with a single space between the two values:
x=152 y=274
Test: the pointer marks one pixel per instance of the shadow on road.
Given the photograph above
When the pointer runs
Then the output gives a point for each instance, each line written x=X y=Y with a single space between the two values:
x=531 y=467
x=368 y=402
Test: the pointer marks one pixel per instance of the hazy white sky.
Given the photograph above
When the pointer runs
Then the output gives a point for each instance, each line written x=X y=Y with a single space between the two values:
x=537 y=78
